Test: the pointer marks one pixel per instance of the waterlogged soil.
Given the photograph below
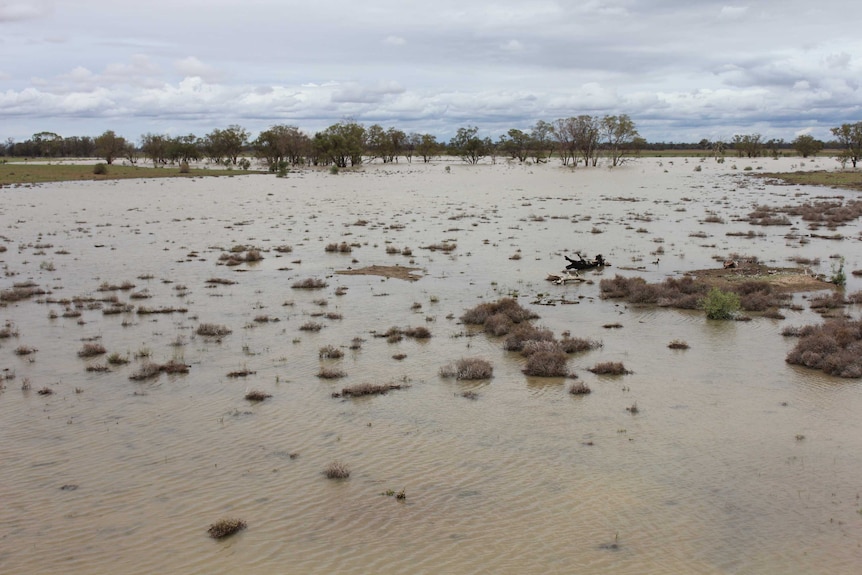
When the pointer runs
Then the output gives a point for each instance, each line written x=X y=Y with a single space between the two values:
x=718 y=458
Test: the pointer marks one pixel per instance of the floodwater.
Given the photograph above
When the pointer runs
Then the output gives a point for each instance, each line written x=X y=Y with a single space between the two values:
x=735 y=462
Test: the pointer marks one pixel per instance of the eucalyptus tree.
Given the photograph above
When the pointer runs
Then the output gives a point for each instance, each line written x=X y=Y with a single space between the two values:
x=849 y=137
x=341 y=143
x=516 y=144
x=748 y=145
x=155 y=148
x=468 y=146
x=282 y=144
x=225 y=146
x=619 y=134
x=110 y=146
x=807 y=145
x=541 y=141
x=427 y=146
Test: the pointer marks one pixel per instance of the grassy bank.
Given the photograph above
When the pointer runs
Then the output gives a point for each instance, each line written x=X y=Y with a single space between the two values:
x=26 y=173
x=840 y=179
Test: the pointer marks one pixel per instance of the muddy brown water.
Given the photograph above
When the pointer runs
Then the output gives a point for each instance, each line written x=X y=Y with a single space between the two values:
x=734 y=463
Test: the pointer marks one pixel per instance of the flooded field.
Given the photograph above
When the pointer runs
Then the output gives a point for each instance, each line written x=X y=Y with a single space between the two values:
x=719 y=458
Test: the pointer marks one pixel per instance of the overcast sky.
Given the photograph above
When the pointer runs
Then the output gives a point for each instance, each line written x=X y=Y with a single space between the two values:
x=682 y=69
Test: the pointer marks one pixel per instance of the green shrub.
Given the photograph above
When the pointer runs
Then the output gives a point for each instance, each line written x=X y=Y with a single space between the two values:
x=333 y=170
x=720 y=304
x=100 y=169
x=839 y=277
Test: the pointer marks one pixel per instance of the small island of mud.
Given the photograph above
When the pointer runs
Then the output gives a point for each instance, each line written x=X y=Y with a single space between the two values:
x=397 y=272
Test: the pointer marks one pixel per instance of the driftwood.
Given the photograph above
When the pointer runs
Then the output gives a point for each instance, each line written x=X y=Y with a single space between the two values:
x=565 y=277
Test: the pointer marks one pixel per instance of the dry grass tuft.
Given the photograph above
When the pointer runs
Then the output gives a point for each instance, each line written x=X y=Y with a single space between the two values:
x=330 y=352
x=225 y=528
x=678 y=344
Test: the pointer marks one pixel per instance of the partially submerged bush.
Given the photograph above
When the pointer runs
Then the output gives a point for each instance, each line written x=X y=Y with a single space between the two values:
x=212 y=330
x=225 y=528
x=336 y=470
x=579 y=388
x=524 y=333
x=719 y=304
x=578 y=344
x=92 y=350
x=506 y=306
x=610 y=368
x=362 y=389
x=835 y=347
x=330 y=352
x=547 y=364
x=677 y=344
x=309 y=283
x=255 y=395
x=468 y=368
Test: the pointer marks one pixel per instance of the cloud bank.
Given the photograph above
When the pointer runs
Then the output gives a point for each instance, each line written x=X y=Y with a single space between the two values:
x=682 y=70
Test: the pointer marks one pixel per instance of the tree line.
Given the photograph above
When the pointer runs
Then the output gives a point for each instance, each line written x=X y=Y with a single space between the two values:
x=577 y=140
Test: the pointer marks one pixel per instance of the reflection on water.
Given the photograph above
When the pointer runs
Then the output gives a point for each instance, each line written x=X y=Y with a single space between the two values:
x=735 y=461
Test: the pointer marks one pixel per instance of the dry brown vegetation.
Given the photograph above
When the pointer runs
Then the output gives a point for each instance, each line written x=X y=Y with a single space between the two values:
x=579 y=388
x=225 y=528
x=468 y=368
x=212 y=330
x=363 y=389
x=255 y=395
x=336 y=470
x=547 y=363
x=687 y=292
x=330 y=352
x=677 y=344
x=508 y=310
x=330 y=373
x=835 y=347
x=309 y=283
x=610 y=368
x=92 y=350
